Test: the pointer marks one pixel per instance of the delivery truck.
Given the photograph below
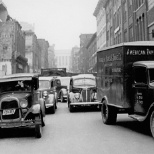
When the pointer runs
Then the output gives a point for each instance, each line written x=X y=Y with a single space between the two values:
x=125 y=82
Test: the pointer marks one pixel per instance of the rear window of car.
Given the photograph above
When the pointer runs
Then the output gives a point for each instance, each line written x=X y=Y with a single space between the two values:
x=85 y=82
x=44 y=84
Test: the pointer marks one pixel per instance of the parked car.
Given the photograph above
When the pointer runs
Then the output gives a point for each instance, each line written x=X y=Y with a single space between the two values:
x=48 y=88
x=83 y=92
x=63 y=93
x=20 y=104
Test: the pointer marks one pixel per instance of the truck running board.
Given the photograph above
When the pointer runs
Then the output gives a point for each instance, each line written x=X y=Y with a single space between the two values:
x=137 y=117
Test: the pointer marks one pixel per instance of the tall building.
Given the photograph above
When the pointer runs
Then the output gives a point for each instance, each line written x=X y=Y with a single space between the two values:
x=12 y=48
x=83 y=53
x=44 y=45
x=63 y=59
x=100 y=15
x=3 y=12
x=74 y=62
x=33 y=51
x=51 y=57
x=92 y=50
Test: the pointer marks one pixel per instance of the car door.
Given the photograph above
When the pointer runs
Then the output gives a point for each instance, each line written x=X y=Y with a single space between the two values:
x=140 y=88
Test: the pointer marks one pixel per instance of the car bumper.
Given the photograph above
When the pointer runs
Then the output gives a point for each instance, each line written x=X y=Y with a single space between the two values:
x=26 y=123
x=85 y=103
x=49 y=105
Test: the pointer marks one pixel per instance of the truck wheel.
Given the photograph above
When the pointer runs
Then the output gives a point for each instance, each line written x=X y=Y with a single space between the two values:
x=152 y=123
x=38 y=130
x=109 y=114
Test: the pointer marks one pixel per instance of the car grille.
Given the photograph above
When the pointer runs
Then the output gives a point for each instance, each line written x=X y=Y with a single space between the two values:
x=86 y=95
x=12 y=104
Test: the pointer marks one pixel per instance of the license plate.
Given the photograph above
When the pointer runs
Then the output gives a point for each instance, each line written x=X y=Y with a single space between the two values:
x=8 y=112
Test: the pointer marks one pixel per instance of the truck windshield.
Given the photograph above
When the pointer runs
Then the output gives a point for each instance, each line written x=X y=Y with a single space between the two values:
x=44 y=84
x=151 y=75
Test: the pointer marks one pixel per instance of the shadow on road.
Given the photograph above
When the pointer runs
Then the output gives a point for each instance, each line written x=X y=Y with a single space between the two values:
x=139 y=127
x=16 y=132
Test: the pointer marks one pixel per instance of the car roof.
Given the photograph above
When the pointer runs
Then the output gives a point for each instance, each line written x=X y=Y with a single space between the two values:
x=46 y=78
x=80 y=76
x=18 y=76
x=148 y=64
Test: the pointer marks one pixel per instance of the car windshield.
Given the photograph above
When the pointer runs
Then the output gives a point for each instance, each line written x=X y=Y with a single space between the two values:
x=85 y=82
x=44 y=84
x=15 y=86
x=65 y=81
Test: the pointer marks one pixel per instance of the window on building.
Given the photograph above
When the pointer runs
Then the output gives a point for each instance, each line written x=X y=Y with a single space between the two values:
x=130 y=33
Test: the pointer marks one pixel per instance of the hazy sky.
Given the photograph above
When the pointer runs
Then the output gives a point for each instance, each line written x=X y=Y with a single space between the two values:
x=60 y=22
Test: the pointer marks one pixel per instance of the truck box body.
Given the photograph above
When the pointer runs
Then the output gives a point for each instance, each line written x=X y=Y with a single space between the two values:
x=114 y=71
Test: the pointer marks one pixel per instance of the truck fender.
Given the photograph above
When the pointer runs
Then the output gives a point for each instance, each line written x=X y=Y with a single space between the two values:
x=105 y=98
x=151 y=108
x=42 y=106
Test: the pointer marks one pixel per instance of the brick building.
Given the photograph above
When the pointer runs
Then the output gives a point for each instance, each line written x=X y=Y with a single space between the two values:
x=12 y=48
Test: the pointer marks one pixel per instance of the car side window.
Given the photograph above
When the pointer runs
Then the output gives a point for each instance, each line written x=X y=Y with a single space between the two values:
x=140 y=75
x=52 y=84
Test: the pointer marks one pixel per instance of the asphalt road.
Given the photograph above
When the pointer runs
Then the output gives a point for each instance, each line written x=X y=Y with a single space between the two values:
x=81 y=132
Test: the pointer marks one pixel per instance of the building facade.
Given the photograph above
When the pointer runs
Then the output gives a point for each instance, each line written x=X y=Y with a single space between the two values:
x=32 y=51
x=83 y=53
x=92 y=50
x=12 y=48
x=100 y=15
x=3 y=12
x=51 y=57
x=44 y=45
x=63 y=59
x=74 y=62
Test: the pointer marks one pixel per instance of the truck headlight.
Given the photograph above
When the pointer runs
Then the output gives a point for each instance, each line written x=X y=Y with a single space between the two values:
x=23 y=103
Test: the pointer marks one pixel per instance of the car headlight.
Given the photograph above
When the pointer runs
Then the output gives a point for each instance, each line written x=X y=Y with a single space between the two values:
x=77 y=95
x=45 y=93
x=23 y=103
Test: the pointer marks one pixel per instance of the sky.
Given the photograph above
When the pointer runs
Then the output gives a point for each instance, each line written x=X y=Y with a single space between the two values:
x=60 y=22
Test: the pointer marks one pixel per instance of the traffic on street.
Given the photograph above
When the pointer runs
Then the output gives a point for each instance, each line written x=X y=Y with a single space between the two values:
x=79 y=132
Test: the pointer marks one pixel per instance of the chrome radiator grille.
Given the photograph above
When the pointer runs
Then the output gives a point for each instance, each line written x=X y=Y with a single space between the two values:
x=12 y=104
x=86 y=95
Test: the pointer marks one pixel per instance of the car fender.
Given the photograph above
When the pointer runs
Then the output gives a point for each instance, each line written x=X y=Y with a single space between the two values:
x=51 y=99
x=42 y=106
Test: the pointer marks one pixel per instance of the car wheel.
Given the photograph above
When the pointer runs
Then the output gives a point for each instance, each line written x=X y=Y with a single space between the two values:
x=71 y=108
x=152 y=123
x=38 y=130
x=53 y=109
x=109 y=114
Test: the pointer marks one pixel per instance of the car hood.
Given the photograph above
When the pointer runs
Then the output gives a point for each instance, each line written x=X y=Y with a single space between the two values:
x=16 y=94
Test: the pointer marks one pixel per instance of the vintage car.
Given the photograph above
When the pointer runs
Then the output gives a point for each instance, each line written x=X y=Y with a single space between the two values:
x=20 y=104
x=63 y=93
x=49 y=88
x=83 y=92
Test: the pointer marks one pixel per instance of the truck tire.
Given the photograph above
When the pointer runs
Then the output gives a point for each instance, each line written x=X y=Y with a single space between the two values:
x=152 y=124
x=109 y=114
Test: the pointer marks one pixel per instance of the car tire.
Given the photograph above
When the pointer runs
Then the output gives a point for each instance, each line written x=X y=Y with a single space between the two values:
x=109 y=114
x=71 y=108
x=152 y=124
x=38 y=129
x=53 y=109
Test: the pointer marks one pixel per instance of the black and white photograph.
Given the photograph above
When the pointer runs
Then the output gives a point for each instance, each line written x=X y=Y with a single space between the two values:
x=77 y=76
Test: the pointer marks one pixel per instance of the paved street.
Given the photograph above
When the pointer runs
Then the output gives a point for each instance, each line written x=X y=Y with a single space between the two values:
x=79 y=133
